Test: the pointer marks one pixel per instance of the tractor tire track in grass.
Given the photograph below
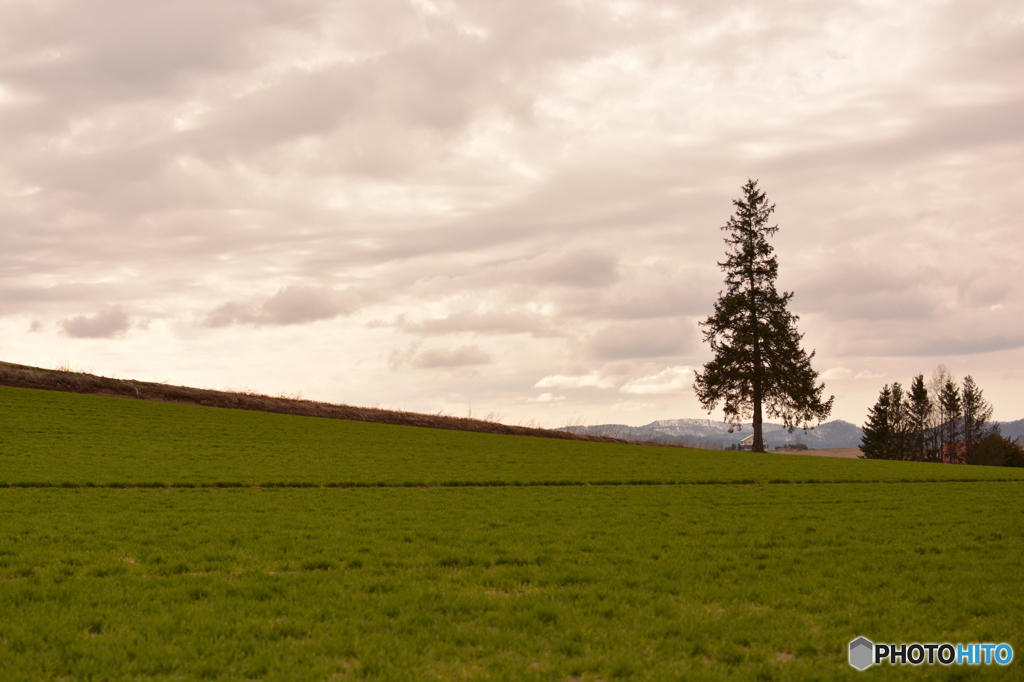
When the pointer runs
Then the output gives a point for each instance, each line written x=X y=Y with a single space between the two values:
x=464 y=484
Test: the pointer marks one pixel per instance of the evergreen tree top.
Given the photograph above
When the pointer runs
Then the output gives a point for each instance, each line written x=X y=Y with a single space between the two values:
x=751 y=259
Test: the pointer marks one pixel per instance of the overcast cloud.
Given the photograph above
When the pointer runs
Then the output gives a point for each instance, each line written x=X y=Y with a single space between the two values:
x=509 y=206
x=108 y=324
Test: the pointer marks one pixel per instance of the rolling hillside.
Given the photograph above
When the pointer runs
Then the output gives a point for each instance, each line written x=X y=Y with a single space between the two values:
x=66 y=439
x=23 y=376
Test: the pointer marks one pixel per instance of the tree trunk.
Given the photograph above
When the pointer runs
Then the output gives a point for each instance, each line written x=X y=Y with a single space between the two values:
x=968 y=451
x=758 y=439
x=758 y=445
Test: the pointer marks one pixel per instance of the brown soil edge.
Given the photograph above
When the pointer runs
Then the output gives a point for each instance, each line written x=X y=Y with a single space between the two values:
x=24 y=376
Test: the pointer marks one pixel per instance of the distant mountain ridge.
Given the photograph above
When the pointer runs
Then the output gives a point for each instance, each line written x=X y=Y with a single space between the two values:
x=715 y=434
x=1012 y=429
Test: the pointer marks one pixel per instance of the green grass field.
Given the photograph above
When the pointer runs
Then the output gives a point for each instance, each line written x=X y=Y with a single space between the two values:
x=52 y=438
x=589 y=582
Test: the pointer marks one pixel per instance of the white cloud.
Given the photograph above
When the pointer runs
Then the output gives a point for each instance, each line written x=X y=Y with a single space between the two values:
x=836 y=374
x=592 y=380
x=668 y=380
x=632 y=406
x=547 y=398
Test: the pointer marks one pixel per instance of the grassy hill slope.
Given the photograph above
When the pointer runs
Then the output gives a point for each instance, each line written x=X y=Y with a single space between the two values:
x=24 y=376
x=55 y=438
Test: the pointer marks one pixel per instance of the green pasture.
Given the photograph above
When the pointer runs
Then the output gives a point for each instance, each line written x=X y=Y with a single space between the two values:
x=647 y=577
x=643 y=582
x=52 y=438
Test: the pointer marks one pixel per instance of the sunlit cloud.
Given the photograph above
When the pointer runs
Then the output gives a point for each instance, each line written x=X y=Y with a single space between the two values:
x=592 y=380
x=668 y=380
x=837 y=374
x=547 y=398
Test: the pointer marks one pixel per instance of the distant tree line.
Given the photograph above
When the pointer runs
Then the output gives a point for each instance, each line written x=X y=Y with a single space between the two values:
x=937 y=421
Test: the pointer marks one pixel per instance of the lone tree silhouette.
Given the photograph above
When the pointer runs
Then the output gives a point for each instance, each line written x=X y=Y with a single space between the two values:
x=759 y=365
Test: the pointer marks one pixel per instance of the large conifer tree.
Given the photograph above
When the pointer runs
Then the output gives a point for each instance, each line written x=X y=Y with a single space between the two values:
x=758 y=366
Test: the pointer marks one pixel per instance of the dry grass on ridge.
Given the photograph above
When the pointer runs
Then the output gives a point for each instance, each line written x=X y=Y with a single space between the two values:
x=23 y=376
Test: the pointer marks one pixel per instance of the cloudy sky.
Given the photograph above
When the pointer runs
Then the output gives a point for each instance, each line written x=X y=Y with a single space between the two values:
x=506 y=207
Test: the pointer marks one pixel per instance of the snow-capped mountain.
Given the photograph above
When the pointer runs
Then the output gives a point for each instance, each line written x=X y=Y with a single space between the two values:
x=716 y=434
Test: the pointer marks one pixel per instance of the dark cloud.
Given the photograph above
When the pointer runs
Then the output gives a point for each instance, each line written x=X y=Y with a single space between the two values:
x=585 y=269
x=917 y=288
x=492 y=322
x=18 y=298
x=115 y=48
x=230 y=313
x=646 y=290
x=442 y=358
x=936 y=341
x=960 y=344
x=296 y=304
x=107 y=324
x=664 y=337
x=854 y=298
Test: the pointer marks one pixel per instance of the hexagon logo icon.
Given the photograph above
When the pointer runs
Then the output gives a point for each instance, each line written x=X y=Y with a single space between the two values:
x=862 y=653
